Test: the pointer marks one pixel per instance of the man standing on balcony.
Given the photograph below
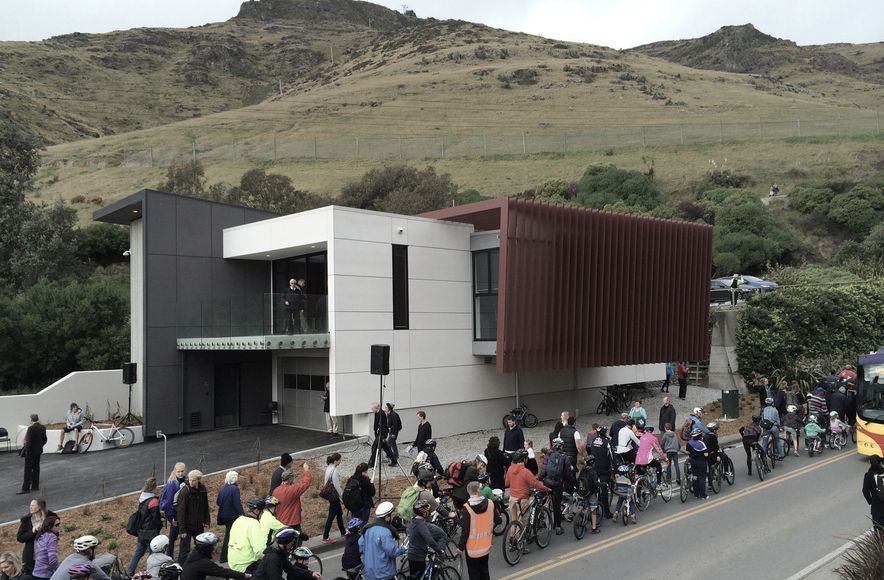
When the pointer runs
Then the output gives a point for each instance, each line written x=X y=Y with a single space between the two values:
x=302 y=304
x=294 y=306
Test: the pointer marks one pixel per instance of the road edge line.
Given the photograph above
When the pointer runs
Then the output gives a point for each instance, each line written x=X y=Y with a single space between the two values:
x=813 y=567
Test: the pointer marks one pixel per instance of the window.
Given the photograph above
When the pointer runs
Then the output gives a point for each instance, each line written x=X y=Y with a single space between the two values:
x=485 y=284
x=400 y=287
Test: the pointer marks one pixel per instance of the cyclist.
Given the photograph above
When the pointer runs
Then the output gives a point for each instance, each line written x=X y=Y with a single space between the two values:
x=588 y=486
x=171 y=570
x=378 y=547
x=471 y=471
x=645 y=455
x=627 y=443
x=420 y=540
x=80 y=572
x=816 y=405
x=275 y=560
x=477 y=528
x=836 y=425
x=158 y=555
x=556 y=472
x=711 y=441
x=432 y=458
x=268 y=521
x=622 y=488
x=750 y=432
x=199 y=564
x=770 y=422
x=600 y=451
x=812 y=431
x=84 y=553
x=698 y=455
x=351 y=559
x=247 y=540
x=697 y=421
x=792 y=425
x=301 y=560
x=520 y=481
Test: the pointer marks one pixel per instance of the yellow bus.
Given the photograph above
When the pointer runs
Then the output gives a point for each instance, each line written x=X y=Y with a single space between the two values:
x=870 y=403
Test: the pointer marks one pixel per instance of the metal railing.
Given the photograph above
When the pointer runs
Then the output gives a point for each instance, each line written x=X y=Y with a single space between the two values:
x=251 y=315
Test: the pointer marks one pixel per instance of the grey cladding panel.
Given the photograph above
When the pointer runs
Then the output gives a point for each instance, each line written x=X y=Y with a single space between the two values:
x=256 y=392
x=161 y=344
x=161 y=224
x=223 y=216
x=199 y=394
x=195 y=280
x=194 y=227
x=162 y=410
x=161 y=284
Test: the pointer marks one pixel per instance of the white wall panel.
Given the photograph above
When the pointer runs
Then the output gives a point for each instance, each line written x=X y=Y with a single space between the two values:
x=440 y=296
x=441 y=321
x=352 y=349
x=400 y=350
x=439 y=234
x=363 y=294
x=296 y=230
x=441 y=348
x=603 y=376
x=438 y=264
x=355 y=392
x=363 y=320
x=359 y=258
x=361 y=225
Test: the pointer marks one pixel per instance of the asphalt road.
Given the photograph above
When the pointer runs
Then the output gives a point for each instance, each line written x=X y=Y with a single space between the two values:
x=805 y=509
x=69 y=480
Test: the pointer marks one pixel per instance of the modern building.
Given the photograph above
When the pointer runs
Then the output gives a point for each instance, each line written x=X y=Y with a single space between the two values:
x=483 y=305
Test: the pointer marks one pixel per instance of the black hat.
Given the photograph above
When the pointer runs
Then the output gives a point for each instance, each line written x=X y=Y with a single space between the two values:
x=285 y=459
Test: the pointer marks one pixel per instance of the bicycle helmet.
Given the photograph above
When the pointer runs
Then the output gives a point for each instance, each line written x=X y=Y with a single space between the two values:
x=430 y=445
x=384 y=509
x=791 y=409
x=712 y=426
x=255 y=504
x=425 y=472
x=812 y=419
x=603 y=431
x=83 y=543
x=270 y=502
x=640 y=423
x=558 y=443
x=833 y=414
x=159 y=543
x=768 y=401
x=697 y=411
x=520 y=455
x=590 y=460
x=420 y=506
x=286 y=536
x=355 y=524
x=206 y=539
x=481 y=459
x=623 y=468
x=80 y=571
x=483 y=477
x=171 y=570
x=696 y=433
x=302 y=553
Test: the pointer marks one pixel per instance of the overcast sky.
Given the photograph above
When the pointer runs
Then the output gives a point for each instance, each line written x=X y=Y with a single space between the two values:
x=615 y=23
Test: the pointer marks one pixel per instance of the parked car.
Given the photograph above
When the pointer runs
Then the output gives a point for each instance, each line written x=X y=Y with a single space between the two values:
x=720 y=292
x=751 y=284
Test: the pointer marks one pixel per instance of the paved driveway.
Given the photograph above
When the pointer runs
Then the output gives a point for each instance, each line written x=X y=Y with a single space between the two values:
x=69 y=480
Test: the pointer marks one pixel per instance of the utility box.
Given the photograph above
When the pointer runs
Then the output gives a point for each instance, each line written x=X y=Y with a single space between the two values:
x=730 y=403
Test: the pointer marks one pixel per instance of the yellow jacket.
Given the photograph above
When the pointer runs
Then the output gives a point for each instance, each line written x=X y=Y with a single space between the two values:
x=247 y=543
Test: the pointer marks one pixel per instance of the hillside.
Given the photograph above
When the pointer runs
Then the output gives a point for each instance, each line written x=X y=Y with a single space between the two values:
x=468 y=98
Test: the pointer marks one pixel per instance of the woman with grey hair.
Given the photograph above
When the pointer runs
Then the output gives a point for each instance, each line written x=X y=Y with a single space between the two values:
x=229 y=508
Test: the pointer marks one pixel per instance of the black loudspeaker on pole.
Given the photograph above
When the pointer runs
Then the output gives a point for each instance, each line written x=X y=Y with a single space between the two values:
x=130 y=373
x=380 y=359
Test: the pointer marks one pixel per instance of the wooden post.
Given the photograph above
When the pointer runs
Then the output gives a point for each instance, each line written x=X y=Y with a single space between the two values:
x=643 y=136
x=524 y=145
x=799 y=127
x=151 y=155
x=193 y=149
x=443 y=146
x=357 y=147
x=314 y=148
x=721 y=131
x=274 y=147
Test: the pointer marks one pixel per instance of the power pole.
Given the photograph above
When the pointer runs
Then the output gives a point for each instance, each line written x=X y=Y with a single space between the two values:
x=279 y=80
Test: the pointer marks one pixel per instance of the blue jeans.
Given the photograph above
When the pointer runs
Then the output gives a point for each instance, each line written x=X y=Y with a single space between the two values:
x=140 y=550
x=775 y=433
x=394 y=452
x=673 y=460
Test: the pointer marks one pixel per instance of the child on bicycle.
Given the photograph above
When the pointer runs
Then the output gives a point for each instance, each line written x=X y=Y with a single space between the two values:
x=836 y=425
x=812 y=431
x=352 y=559
x=623 y=489
x=792 y=425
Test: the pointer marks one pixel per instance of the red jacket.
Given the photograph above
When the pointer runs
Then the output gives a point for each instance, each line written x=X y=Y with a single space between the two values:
x=520 y=480
x=289 y=496
x=681 y=371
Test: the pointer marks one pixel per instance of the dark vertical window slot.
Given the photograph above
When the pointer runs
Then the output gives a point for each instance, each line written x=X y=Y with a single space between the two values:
x=400 y=287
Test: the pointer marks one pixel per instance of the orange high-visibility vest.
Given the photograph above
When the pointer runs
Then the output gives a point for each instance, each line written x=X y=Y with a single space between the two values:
x=481 y=527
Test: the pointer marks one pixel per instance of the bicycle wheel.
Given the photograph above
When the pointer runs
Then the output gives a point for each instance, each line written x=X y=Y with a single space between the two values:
x=602 y=408
x=580 y=523
x=728 y=470
x=665 y=490
x=85 y=442
x=124 y=437
x=531 y=420
x=500 y=528
x=853 y=433
x=759 y=466
x=624 y=513
x=642 y=493
x=314 y=564
x=772 y=455
x=446 y=573
x=716 y=478
x=683 y=488
x=787 y=446
x=513 y=543
x=543 y=528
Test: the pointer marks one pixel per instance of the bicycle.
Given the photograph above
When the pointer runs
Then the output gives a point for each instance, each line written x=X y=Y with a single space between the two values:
x=627 y=509
x=647 y=488
x=314 y=563
x=727 y=466
x=838 y=440
x=609 y=403
x=522 y=417
x=759 y=460
x=538 y=528
x=437 y=569
x=118 y=436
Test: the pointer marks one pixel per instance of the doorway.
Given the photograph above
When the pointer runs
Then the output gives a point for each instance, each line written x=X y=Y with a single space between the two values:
x=227 y=384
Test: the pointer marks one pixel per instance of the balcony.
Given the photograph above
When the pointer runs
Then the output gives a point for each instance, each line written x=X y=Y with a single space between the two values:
x=254 y=322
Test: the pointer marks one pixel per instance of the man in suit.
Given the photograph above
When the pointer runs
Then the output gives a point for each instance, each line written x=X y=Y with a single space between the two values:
x=285 y=462
x=381 y=431
x=35 y=439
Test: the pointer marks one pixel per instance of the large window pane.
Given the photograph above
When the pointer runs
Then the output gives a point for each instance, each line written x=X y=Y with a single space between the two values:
x=494 y=258
x=400 y=287
x=486 y=317
x=480 y=272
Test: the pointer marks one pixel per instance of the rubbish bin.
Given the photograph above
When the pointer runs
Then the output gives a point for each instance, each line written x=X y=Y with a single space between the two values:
x=730 y=403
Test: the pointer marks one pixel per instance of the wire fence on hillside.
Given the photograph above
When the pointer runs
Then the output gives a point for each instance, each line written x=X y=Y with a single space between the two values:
x=273 y=147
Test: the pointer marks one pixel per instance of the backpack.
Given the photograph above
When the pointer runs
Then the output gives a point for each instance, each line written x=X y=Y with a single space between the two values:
x=352 y=496
x=137 y=519
x=555 y=466
x=685 y=432
x=766 y=424
x=406 y=502
x=175 y=504
x=587 y=482
x=68 y=447
x=879 y=485
x=455 y=473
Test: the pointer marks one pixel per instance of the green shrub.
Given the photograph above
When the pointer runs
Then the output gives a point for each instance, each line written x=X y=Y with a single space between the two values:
x=604 y=185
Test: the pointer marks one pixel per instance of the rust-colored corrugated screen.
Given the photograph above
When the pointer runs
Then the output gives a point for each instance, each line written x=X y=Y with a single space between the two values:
x=584 y=288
